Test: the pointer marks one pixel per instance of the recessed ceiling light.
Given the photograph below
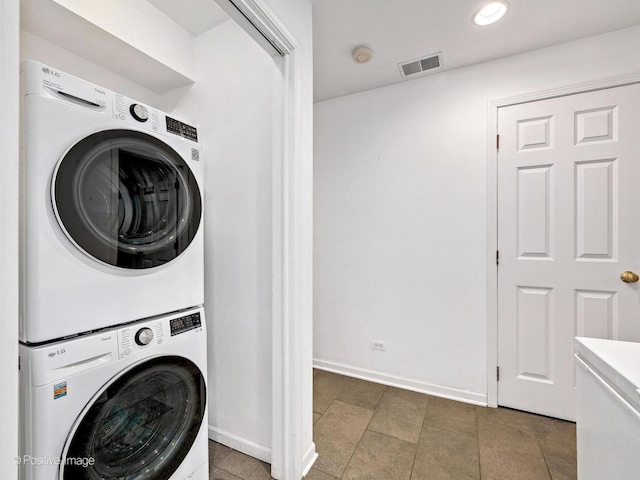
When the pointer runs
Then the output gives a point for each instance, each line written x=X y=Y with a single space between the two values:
x=491 y=12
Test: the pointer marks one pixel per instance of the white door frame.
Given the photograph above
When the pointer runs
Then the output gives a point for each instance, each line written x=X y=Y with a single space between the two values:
x=290 y=265
x=492 y=205
x=9 y=221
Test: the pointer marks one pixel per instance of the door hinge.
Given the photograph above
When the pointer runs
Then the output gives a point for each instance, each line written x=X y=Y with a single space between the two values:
x=497 y=257
x=498 y=374
x=497 y=142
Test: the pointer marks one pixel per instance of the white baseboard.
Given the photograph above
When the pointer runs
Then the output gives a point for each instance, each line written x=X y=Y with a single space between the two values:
x=400 y=382
x=240 y=444
x=309 y=459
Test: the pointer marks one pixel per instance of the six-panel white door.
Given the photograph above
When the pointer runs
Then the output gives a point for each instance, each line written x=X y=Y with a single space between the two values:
x=568 y=226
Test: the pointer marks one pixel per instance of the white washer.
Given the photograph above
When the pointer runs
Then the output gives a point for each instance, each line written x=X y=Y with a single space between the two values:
x=126 y=403
x=111 y=208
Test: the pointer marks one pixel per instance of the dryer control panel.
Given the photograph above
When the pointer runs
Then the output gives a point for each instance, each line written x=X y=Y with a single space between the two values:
x=144 y=335
x=181 y=129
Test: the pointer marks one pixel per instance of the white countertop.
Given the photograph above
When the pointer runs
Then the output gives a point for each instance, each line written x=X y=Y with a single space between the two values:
x=618 y=363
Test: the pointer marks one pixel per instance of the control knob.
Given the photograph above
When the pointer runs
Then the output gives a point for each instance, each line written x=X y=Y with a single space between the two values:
x=144 y=336
x=139 y=112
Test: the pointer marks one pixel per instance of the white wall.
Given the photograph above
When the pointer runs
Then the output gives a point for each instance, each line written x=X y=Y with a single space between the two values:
x=236 y=280
x=9 y=55
x=400 y=215
x=231 y=102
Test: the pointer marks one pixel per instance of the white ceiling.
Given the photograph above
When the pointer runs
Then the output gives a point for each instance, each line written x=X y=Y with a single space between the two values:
x=401 y=30
x=195 y=16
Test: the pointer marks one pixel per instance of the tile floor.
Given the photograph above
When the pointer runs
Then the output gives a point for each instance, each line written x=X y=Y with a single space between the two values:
x=228 y=464
x=367 y=431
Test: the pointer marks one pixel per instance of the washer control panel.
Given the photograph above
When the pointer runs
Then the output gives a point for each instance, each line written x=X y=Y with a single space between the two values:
x=141 y=336
x=186 y=323
x=135 y=338
x=139 y=112
x=144 y=336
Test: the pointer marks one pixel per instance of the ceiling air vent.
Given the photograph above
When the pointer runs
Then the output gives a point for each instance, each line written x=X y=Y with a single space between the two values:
x=420 y=65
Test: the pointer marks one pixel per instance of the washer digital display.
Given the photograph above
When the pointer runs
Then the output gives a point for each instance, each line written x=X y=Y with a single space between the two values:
x=184 y=324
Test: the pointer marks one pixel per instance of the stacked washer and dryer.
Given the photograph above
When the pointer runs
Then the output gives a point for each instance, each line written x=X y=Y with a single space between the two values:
x=112 y=331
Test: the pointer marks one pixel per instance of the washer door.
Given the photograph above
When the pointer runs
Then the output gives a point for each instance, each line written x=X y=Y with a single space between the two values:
x=127 y=199
x=141 y=426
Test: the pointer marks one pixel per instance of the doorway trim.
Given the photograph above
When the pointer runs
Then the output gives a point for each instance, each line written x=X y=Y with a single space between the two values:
x=492 y=203
x=291 y=263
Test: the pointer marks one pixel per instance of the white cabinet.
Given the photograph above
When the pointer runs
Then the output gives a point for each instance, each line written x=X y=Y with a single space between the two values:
x=608 y=409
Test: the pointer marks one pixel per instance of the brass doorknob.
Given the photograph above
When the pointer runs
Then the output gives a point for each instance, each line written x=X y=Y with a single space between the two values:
x=629 y=277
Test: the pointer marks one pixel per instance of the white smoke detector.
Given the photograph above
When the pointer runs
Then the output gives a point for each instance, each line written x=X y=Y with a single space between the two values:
x=362 y=55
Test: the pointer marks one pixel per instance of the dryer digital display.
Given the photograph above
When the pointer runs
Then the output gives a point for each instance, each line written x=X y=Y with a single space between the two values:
x=182 y=129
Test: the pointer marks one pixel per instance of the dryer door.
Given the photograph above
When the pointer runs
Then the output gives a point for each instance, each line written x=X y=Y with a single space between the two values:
x=141 y=426
x=127 y=199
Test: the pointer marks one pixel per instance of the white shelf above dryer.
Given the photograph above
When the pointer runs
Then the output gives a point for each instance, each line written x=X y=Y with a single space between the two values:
x=83 y=36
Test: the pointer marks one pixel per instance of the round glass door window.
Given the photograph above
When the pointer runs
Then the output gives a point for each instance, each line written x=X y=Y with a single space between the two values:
x=142 y=426
x=127 y=199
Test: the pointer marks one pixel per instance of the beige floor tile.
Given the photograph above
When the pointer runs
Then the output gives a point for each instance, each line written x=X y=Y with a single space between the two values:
x=557 y=439
x=217 y=452
x=337 y=434
x=458 y=441
x=438 y=472
x=562 y=467
x=555 y=436
x=400 y=415
x=218 y=474
x=445 y=455
x=450 y=415
x=419 y=399
x=509 y=453
x=361 y=393
x=246 y=467
x=381 y=457
x=326 y=387
x=506 y=416
x=318 y=475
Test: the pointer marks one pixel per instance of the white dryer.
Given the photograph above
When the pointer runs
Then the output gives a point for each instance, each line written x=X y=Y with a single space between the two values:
x=111 y=208
x=126 y=403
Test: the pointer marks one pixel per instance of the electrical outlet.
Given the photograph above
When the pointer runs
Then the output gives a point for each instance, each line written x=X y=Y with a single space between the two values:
x=377 y=345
